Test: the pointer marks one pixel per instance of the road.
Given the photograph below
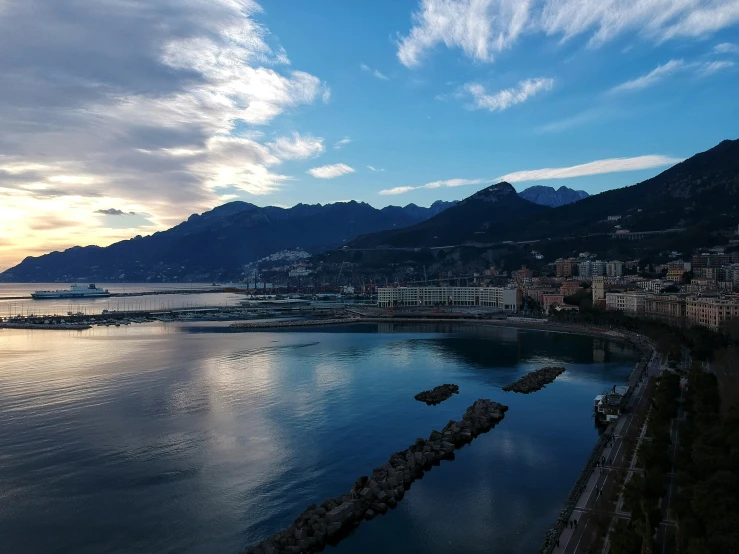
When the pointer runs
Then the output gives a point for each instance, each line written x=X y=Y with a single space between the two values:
x=587 y=509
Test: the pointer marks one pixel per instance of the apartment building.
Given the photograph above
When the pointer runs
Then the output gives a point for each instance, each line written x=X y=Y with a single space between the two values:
x=711 y=312
x=631 y=303
x=614 y=269
x=564 y=267
x=496 y=297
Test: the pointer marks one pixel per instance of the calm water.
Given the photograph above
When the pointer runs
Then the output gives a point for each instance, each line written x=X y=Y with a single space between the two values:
x=188 y=438
x=62 y=306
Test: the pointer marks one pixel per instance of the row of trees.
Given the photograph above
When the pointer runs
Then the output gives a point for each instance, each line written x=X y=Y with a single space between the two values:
x=707 y=506
x=643 y=491
x=701 y=341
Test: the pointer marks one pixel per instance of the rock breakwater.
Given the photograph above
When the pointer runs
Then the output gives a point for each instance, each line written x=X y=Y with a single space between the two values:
x=370 y=496
x=438 y=394
x=536 y=380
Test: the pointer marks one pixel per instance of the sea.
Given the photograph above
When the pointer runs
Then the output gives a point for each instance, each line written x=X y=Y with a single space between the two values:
x=193 y=438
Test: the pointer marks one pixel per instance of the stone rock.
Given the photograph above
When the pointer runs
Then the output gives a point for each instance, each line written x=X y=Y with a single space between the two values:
x=437 y=394
x=536 y=380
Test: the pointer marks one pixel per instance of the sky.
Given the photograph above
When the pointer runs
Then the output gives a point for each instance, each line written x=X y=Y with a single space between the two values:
x=120 y=118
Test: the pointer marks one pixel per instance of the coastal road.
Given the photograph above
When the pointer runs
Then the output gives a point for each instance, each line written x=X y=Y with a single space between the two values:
x=590 y=505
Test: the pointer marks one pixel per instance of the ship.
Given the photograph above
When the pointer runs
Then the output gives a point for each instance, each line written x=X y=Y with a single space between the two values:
x=609 y=405
x=75 y=291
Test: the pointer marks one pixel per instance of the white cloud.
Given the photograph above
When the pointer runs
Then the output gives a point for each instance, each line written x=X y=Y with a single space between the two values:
x=330 y=171
x=504 y=99
x=398 y=190
x=483 y=28
x=449 y=183
x=342 y=143
x=598 y=167
x=374 y=72
x=480 y=28
x=672 y=67
x=377 y=169
x=712 y=67
x=296 y=147
x=651 y=78
x=726 y=48
x=129 y=112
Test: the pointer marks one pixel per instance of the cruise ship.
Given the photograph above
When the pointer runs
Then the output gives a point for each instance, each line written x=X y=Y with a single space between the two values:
x=75 y=291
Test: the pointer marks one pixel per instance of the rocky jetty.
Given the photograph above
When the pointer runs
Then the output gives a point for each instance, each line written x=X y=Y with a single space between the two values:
x=536 y=380
x=438 y=394
x=371 y=496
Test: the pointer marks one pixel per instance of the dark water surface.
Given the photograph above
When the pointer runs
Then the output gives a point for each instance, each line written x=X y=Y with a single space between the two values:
x=184 y=438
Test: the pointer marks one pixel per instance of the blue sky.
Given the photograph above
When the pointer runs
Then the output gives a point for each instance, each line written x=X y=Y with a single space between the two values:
x=125 y=118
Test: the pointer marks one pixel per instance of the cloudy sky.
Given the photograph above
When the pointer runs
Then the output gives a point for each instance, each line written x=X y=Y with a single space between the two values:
x=123 y=117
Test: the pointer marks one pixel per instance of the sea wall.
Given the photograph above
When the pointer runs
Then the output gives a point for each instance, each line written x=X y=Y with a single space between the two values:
x=370 y=496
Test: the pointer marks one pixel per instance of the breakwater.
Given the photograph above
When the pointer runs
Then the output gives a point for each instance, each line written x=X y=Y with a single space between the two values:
x=53 y=326
x=370 y=496
x=437 y=395
x=293 y=323
x=536 y=380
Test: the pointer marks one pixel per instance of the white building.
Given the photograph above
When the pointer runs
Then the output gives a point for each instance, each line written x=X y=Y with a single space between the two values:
x=495 y=297
x=614 y=269
x=626 y=302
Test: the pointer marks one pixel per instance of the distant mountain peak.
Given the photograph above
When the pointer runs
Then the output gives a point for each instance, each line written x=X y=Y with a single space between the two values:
x=549 y=196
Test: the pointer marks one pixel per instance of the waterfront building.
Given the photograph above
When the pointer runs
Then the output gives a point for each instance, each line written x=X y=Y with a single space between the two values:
x=628 y=302
x=711 y=312
x=549 y=300
x=669 y=308
x=614 y=269
x=496 y=297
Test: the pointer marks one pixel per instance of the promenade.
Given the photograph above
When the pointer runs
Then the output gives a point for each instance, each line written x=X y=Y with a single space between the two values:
x=591 y=507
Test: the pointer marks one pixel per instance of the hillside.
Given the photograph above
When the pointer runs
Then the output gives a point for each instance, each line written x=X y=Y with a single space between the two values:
x=218 y=243
x=467 y=220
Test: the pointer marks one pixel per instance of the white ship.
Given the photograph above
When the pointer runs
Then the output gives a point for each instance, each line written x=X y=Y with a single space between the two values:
x=75 y=291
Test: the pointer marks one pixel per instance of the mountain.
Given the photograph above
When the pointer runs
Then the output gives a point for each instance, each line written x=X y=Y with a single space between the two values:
x=462 y=222
x=551 y=197
x=218 y=243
